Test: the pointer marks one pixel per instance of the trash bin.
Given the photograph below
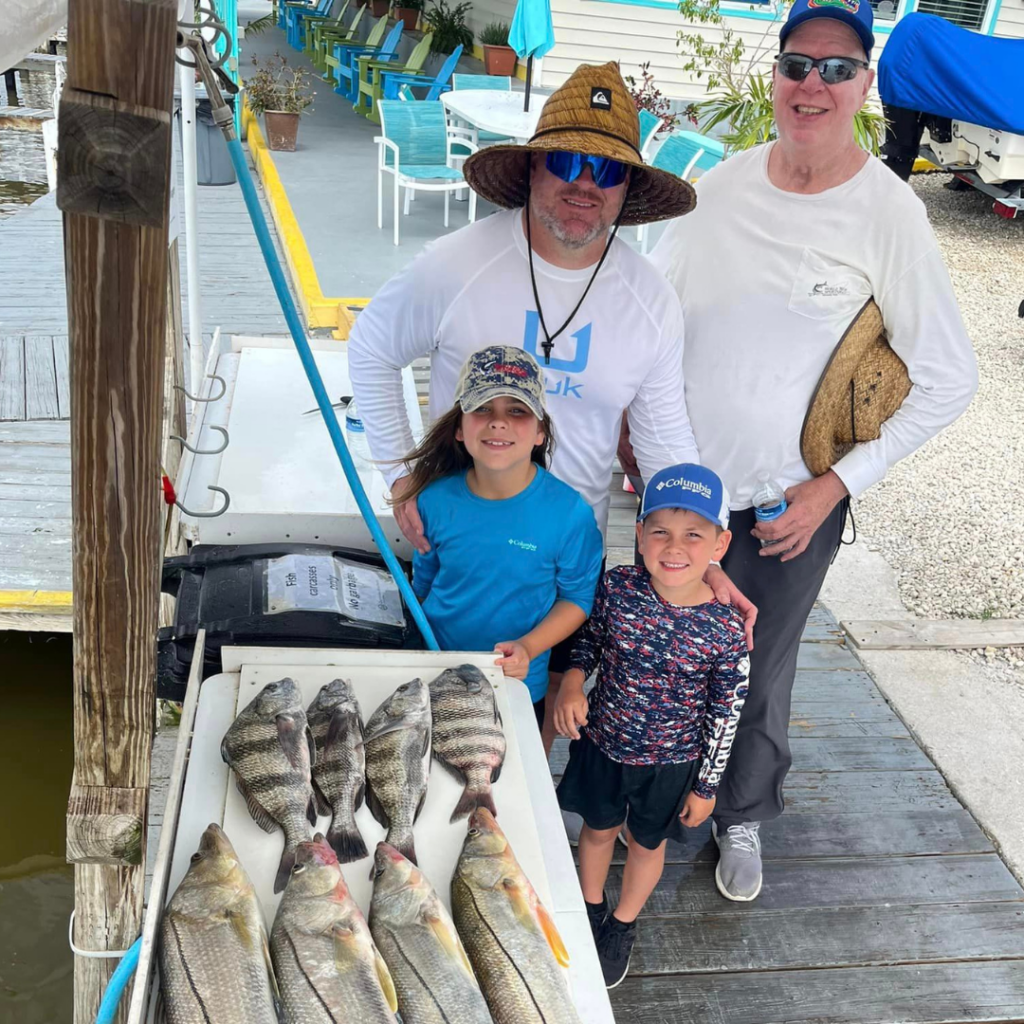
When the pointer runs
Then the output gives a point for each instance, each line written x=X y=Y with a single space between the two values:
x=213 y=161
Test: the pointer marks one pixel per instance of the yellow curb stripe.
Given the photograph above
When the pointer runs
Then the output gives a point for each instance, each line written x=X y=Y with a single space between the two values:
x=317 y=309
x=55 y=602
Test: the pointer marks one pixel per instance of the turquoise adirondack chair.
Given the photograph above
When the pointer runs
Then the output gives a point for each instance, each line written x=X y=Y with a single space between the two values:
x=649 y=125
x=324 y=34
x=316 y=26
x=346 y=74
x=295 y=16
x=371 y=77
x=496 y=83
x=335 y=59
x=417 y=147
x=680 y=154
x=398 y=85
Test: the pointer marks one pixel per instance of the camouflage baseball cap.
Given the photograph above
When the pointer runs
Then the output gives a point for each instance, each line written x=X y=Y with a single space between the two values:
x=501 y=370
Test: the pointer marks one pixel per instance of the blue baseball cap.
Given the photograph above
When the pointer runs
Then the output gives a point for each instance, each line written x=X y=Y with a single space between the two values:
x=689 y=486
x=855 y=13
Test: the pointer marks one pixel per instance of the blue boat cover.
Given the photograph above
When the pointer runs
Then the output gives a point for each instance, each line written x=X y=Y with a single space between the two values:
x=931 y=65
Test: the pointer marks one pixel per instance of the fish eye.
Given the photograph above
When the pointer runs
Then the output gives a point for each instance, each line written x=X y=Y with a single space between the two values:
x=298 y=869
x=197 y=856
x=403 y=688
x=474 y=831
x=378 y=872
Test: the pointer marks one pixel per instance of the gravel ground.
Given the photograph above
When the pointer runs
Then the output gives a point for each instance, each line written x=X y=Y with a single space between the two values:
x=950 y=518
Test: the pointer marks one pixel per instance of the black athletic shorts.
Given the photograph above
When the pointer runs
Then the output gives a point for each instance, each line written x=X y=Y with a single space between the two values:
x=606 y=793
x=559 y=661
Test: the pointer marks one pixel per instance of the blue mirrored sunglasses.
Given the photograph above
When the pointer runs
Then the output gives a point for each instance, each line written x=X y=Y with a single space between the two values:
x=606 y=173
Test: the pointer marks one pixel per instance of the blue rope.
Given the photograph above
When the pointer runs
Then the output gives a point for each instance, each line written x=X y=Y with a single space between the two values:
x=291 y=315
x=118 y=980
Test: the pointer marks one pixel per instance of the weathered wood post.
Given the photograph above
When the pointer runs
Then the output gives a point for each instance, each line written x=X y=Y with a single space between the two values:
x=113 y=186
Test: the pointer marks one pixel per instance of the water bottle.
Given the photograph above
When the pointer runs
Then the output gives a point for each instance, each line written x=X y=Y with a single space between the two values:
x=769 y=502
x=355 y=438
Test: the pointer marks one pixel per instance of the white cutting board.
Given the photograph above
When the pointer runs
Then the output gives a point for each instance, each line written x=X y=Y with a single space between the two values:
x=438 y=842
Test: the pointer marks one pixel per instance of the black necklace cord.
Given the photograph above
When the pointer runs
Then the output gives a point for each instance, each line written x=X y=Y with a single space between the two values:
x=549 y=339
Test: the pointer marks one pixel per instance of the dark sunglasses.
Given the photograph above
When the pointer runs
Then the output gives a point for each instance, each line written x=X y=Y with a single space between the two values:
x=607 y=173
x=833 y=70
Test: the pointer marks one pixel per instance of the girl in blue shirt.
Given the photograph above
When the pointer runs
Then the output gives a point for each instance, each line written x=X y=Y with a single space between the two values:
x=515 y=553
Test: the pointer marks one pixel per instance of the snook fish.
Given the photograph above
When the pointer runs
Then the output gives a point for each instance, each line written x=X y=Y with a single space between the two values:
x=433 y=979
x=326 y=963
x=271 y=749
x=511 y=939
x=339 y=775
x=214 y=960
x=397 y=741
x=468 y=739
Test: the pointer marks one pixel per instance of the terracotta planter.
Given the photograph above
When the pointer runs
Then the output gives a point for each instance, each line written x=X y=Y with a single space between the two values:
x=499 y=60
x=282 y=128
x=409 y=16
x=379 y=7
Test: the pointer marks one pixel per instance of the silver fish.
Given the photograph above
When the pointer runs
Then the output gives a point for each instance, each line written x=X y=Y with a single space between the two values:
x=326 y=963
x=510 y=937
x=214 y=958
x=468 y=739
x=339 y=775
x=415 y=935
x=397 y=743
x=271 y=749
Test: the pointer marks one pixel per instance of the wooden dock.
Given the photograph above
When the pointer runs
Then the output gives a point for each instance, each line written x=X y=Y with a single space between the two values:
x=883 y=900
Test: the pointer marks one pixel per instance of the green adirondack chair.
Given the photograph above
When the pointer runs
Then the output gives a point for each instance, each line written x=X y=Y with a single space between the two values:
x=316 y=26
x=333 y=58
x=371 y=81
x=326 y=36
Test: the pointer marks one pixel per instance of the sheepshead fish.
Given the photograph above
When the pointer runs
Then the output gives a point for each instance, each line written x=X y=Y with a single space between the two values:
x=468 y=738
x=415 y=935
x=339 y=775
x=271 y=749
x=214 y=958
x=511 y=939
x=397 y=743
x=327 y=966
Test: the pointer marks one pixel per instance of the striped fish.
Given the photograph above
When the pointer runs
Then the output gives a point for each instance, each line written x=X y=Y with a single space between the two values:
x=339 y=775
x=468 y=738
x=270 y=748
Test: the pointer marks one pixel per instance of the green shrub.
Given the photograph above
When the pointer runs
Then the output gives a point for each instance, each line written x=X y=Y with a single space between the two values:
x=495 y=34
x=448 y=24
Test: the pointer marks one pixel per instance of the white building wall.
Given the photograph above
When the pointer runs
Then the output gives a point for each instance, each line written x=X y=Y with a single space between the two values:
x=1010 y=20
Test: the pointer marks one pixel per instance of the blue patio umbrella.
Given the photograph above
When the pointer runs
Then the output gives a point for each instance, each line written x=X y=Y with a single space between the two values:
x=531 y=35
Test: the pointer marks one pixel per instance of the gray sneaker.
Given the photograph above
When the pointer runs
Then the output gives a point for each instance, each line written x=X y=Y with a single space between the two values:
x=573 y=823
x=738 y=875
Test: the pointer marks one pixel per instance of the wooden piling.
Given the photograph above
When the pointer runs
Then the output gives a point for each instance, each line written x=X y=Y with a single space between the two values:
x=113 y=186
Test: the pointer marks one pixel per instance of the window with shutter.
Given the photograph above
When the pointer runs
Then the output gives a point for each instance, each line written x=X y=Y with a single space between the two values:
x=965 y=13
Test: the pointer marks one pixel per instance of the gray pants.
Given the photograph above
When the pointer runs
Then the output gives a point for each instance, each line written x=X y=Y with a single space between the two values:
x=784 y=592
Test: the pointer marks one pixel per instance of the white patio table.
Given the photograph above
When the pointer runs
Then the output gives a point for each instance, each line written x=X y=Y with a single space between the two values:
x=496 y=111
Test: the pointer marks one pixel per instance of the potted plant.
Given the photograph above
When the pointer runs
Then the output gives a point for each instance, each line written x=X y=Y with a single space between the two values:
x=280 y=93
x=408 y=12
x=499 y=57
x=449 y=28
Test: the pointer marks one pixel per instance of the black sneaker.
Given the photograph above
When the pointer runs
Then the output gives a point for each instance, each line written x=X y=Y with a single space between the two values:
x=614 y=947
x=597 y=914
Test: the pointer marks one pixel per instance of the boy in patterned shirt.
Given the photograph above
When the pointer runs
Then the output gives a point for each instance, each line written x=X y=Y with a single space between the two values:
x=672 y=667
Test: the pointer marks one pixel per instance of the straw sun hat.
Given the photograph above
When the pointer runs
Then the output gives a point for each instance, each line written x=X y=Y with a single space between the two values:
x=864 y=383
x=591 y=113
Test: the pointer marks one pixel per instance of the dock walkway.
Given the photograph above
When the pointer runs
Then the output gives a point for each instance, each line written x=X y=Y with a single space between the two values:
x=883 y=900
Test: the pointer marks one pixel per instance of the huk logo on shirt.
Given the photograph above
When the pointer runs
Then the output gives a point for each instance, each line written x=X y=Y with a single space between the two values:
x=559 y=386
x=823 y=288
x=600 y=98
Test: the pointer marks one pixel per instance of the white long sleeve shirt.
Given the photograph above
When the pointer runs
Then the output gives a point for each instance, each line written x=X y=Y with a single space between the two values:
x=622 y=350
x=769 y=280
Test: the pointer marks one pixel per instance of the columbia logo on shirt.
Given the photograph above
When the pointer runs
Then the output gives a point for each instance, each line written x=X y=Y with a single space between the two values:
x=524 y=544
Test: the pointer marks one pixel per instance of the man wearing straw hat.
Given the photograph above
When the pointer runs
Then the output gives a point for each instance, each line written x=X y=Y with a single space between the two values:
x=799 y=252
x=548 y=275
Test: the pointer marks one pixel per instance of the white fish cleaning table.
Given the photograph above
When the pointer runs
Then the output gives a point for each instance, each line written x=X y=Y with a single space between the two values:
x=527 y=809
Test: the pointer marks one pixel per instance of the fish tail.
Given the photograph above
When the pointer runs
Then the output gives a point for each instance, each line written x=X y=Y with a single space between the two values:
x=470 y=800
x=284 y=870
x=404 y=844
x=347 y=842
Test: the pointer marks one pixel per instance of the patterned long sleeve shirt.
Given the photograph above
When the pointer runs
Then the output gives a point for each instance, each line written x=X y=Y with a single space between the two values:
x=671 y=681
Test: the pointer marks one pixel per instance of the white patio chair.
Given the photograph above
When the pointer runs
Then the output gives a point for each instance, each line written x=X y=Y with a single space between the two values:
x=678 y=155
x=417 y=148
